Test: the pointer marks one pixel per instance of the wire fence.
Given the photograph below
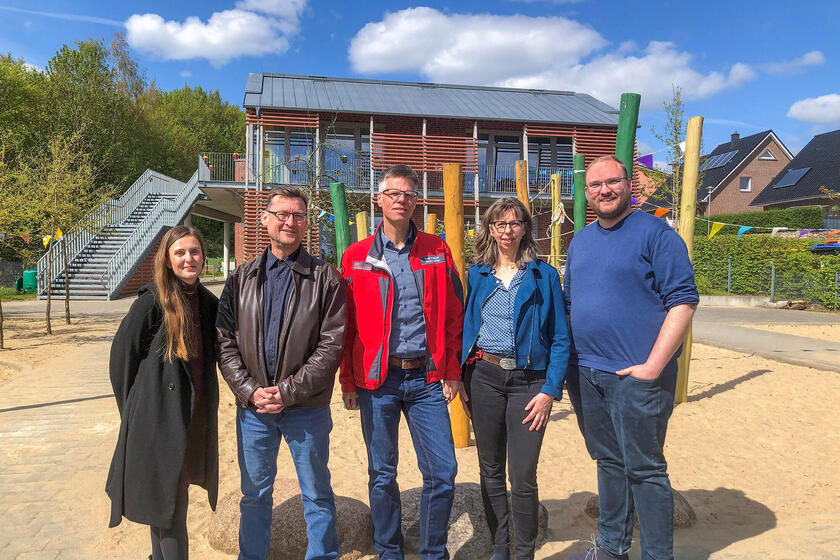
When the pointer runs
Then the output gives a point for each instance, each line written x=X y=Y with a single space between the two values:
x=779 y=283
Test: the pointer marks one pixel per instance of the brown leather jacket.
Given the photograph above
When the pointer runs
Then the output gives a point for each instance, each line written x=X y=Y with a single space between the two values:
x=311 y=336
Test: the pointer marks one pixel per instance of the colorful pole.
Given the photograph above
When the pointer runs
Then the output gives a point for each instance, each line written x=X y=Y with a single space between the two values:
x=431 y=223
x=688 y=203
x=579 y=164
x=522 y=182
x=342 y=225
x=625 y=139
x=453 y=222
x=362 y=225
x=556 y=201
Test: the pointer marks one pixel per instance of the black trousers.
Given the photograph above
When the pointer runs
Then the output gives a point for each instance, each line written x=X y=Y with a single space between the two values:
x=498 y=398
x=173 y=543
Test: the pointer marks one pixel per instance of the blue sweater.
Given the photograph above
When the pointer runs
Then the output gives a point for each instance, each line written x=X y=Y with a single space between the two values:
x=542 y=341
x=619 y=285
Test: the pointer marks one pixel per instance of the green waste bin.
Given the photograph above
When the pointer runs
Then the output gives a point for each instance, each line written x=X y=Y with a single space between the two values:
x=30 y=280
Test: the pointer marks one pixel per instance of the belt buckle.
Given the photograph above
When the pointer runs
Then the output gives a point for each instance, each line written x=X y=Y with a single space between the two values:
x=507 y=363
x=405 y=364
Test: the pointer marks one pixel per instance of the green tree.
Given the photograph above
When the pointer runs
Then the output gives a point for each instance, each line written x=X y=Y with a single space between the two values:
x=669 y=188
x=22 y=110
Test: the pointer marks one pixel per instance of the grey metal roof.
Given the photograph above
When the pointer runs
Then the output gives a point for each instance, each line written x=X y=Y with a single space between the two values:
x=376 y=97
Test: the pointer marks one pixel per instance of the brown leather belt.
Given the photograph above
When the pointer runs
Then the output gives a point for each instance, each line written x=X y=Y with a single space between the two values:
x=502 y=362
x=414 y=363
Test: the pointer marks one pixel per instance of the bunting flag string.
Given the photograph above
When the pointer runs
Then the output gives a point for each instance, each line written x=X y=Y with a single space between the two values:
x=777 y=230
x=742 y=230
x=803 y=232
x=659 y=212
x=833 y=233
x=716 y=227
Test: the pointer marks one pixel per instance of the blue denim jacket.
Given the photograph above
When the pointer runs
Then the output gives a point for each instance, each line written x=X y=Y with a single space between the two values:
x=542 y=338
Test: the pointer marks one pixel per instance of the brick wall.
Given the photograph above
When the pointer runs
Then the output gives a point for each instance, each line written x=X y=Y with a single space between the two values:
x=144 y=274
x=729 y=199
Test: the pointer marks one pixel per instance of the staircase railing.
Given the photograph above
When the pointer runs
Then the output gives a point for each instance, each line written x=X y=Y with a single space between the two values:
x=113 y=211
x=167 y=212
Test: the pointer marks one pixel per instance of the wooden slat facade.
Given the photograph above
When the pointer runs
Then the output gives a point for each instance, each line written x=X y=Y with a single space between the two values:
x=423 y=153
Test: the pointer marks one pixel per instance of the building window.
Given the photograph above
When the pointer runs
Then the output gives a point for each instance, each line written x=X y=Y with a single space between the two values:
x=746 y=184
x=767 y=155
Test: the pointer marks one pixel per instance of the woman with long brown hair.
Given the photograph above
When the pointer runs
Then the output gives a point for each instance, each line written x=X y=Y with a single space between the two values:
x=163 y=371
x=515 y=350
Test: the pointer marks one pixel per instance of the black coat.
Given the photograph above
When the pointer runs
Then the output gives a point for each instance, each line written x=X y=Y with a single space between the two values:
x=155 y=400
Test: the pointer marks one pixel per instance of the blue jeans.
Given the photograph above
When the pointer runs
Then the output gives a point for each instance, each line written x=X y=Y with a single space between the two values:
x=406 y=392
x=623 y=421
x=307 y=433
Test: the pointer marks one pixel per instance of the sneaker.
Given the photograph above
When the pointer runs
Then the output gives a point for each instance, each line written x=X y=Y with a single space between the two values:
x=597 y=552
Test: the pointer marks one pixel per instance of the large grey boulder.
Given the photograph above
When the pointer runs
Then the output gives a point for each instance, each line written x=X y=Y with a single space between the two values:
x=469 y=537
x=288 y=528
x=684 y=516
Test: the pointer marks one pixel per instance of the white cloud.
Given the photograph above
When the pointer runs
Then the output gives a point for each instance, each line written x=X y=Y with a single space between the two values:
x=32 y=67
x=469 y=48
x=531 y=52
x=824 y=109
x=795 y=66
x=226 y=35
x=185 y=73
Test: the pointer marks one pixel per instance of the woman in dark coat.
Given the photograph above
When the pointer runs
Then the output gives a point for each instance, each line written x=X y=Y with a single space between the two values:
x=163 y=371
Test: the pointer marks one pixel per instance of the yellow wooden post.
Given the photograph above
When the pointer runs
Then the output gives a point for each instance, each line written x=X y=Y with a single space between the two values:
x=688 y=202
x=556 y=201
x=453 y=223
x=362 y=226
x=431 y=223
x=522 y=182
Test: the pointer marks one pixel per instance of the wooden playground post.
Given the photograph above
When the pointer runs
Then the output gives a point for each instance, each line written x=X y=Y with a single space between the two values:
x=431 y=223
x=342 y=225
x=578 y=161
x=453 y=221
x=688 y=201
x=522 y=182
x=555 y=226
x=362 y=225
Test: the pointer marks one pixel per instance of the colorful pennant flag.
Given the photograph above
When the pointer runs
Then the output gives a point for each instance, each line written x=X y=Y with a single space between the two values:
x=803 y=232
x=833 y=233
x=471 y=232
x=322 y=214
x=647 y=161
x=682 y=146
x=331 y=218
x=634 y=201
x=659 y=212
x=58 y=233
x=46 y=240
x=742 y=230
x=716 y=227
x=777 y=230
x=25 y=238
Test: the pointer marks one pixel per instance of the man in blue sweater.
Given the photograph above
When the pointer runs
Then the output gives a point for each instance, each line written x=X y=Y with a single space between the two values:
x=630 y=296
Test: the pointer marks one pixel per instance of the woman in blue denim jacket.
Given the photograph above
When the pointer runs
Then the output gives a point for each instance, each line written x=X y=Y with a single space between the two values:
x=515 y=351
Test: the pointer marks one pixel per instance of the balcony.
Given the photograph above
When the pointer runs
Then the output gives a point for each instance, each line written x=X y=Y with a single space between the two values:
x=354 y=172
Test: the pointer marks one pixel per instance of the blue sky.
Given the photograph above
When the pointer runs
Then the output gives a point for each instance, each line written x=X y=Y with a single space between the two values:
x=745 y=66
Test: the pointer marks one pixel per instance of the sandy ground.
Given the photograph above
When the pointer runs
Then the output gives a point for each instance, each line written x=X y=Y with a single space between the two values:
x=821 y=332
x=753 y=451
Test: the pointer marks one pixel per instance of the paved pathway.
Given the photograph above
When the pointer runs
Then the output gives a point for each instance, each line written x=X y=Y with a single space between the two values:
x=719 y=326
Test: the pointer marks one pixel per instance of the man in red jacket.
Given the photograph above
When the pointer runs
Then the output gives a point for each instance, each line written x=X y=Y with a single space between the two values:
x=401 y=356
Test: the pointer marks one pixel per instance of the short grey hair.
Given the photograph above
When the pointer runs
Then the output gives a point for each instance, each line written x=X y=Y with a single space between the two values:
x=399 y=170
x=288 y=191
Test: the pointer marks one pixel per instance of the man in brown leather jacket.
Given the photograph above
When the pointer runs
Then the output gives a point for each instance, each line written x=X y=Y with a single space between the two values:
x=281 y=328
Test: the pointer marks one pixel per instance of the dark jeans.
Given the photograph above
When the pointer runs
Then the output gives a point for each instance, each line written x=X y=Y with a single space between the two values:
x=498 y=398
x=172 y=543
x=623 y=421
x=405 y=392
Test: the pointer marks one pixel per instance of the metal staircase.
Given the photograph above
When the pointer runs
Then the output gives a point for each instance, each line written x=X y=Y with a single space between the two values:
x=106 y=248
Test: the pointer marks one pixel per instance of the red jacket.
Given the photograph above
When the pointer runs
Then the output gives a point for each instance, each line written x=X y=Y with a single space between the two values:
x=369 y=303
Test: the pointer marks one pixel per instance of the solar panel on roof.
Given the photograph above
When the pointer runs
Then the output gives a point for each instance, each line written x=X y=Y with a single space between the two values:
x=718 y=160
x=792 y=177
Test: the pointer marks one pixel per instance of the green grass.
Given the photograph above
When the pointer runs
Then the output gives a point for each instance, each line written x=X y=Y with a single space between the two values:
x=9 y=294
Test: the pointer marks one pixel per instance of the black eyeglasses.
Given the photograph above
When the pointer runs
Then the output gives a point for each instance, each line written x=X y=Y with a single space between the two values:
x=282 y=217
x=394 y=194
x=500 y=226
x=611 y=184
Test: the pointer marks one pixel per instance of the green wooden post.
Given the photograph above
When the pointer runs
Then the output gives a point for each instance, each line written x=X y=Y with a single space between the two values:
x=625 y=140
x=342 y=224
x=580 y=196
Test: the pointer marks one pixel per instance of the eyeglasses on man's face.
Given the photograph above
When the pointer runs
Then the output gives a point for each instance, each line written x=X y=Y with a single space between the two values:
x=500 y=226
x=283 y=216
x=611 y=184
x=395 y=194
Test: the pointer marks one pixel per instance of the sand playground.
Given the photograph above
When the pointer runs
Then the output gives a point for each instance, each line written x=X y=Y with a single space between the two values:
x=754 y=451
